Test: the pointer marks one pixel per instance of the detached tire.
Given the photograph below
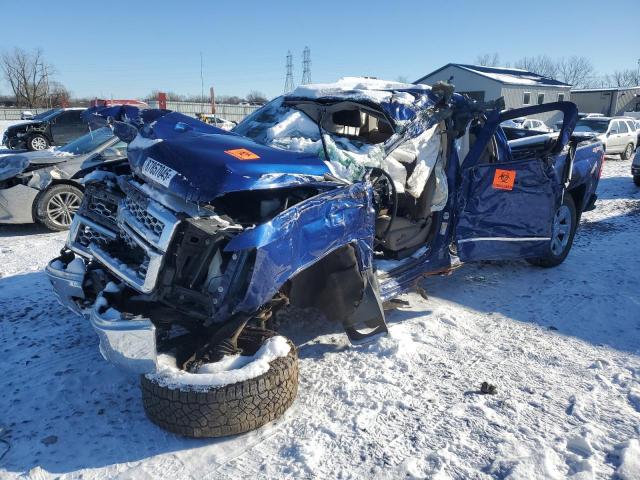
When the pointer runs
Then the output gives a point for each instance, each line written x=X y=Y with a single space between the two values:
x=565 y=222
x=224 y=410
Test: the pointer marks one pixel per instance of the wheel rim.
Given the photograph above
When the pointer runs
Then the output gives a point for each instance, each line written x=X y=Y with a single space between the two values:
x=38 y=143
x=561 y=230
x=61 y=208
x=627 y=153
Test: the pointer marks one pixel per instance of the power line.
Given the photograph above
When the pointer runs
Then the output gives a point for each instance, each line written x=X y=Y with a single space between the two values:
x=306 y=66
x=288 y=82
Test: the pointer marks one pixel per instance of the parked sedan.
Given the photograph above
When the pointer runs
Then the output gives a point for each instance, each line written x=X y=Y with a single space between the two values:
x=536 y=125
x=44 y=187
x=216 y=121
x=56 y=127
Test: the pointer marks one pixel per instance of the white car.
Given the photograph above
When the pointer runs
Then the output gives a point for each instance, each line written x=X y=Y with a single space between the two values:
x=618 y=135
x=217 y=121
x=537 y=125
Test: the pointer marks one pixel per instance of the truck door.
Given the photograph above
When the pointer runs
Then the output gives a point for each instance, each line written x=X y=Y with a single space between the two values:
x=506 y=202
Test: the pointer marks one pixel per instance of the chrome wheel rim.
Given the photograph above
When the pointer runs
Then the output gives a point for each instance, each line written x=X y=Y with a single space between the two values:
x=628 y=152
x=61 y=208
x=561 y=230
x=38 y=143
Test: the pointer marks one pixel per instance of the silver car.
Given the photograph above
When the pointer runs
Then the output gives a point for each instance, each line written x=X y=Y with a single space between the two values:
x=45 y=186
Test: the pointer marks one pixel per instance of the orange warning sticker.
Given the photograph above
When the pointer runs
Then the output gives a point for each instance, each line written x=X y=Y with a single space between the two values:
x=242 y=154
x=504 y=179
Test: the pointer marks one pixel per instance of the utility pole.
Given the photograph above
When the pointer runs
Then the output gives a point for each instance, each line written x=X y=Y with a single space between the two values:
x=306 y=66
x=201 y=81
x=288 y=82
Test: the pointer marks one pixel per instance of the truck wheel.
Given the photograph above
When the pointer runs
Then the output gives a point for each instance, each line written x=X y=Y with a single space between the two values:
x=636 y=180
x=628 y=151
x=205 y=411
x=37 y=142
x=564 y=229
x=56 y=206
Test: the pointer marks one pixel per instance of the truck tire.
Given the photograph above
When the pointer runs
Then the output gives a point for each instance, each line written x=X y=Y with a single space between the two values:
x=565 y=222
x=37 y=143
x=223 y=410
x=636 y=180
x=56 y=206
x=627 y=152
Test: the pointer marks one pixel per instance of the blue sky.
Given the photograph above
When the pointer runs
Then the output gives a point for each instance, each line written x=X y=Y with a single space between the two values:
x=127 y=49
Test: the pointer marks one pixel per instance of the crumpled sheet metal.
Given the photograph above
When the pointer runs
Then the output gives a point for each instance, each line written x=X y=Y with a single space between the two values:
x=12 y=165
x=304 y=234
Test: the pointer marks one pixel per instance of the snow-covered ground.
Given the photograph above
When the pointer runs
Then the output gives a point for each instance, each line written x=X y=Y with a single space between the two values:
x=561 y=345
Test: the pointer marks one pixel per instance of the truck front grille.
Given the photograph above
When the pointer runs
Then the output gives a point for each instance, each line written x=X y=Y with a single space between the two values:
x=145 y=218
x=129 y=234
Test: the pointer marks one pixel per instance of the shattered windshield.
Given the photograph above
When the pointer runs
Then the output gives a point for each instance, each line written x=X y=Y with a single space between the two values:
x=281 y=125
x=88 y=142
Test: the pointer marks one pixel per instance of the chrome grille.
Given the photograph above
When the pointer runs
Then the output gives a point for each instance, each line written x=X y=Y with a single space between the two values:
x=103 y=208
x=86 y=235
x=145 y=218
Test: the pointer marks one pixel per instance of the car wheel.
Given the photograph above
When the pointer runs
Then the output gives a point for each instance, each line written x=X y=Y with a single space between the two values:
x=37 y=142
x=215 y=411
x=564 y=229
x=636 y=180
x=628 y=151
x=57 y=205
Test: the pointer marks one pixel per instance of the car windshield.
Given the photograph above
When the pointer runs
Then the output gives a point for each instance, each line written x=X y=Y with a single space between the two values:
x=88 y=142
x=591 y=125
x=45 y=114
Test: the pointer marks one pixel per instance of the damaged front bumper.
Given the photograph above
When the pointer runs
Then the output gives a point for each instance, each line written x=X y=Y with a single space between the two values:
x=127 y=343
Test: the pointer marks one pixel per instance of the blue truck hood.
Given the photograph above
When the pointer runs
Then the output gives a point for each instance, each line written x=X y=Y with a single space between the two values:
x=200 y=162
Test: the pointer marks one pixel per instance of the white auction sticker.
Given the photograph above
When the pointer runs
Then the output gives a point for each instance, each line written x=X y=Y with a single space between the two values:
x=158 y=172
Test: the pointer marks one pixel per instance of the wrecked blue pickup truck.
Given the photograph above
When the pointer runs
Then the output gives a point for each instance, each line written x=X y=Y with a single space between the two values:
x=337 y=197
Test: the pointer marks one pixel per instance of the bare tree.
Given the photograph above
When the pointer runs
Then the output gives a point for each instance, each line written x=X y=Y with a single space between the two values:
x=488 y=59
x=574 y=70
x=541 y=64
x=59 y=96
x=623 y=78
x=256 y=97
x=27 y=73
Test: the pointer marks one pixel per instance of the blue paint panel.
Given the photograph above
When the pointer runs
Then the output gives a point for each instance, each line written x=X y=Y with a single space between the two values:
x=302 y=235
x=197 y=152
x=525 y=211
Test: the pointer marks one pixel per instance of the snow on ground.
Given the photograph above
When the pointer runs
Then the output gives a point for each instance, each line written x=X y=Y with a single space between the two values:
x=561 y=345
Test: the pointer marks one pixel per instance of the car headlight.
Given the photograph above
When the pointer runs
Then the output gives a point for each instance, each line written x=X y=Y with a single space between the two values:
x=20 y=134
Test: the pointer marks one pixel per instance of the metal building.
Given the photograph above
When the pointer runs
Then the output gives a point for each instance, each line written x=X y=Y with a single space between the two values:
x=519 y=88
x=608 y=101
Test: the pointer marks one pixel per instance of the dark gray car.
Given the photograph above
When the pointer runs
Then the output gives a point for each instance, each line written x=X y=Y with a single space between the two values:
x=45 y=186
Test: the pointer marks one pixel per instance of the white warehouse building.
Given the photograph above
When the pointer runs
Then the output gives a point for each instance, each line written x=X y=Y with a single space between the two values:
x=520 y=88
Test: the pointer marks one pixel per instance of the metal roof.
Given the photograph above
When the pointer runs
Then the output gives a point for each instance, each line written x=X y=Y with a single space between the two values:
x=507 y=76
x=607 y=89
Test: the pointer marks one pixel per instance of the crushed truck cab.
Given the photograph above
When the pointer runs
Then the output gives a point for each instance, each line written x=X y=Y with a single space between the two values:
x=337 y=197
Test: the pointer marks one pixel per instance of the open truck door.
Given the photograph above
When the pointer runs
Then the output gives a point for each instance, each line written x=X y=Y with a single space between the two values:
x=506 y=203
